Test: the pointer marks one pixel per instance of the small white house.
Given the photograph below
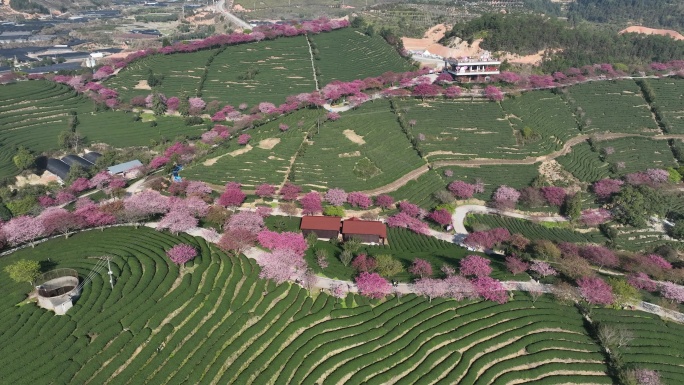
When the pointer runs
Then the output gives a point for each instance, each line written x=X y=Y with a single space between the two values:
x=128 y=170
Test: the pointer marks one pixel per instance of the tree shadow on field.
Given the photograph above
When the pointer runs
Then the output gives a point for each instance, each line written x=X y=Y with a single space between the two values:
x=47 y=265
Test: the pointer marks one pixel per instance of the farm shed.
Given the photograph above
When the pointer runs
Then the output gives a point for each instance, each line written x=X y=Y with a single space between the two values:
x=75 y=159
x=323 y=227
x=57 y=167
x=92 y=156
x=366 y=231
x=124 y=168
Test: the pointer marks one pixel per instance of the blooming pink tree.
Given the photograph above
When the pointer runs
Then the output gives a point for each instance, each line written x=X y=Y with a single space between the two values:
x=286 y=240
x=232 y=196
x=336 y=197
x=431 y=288
x=79 y=185
x=290 y=192
x=145 y=204
x=441 y=216
x=543 y=269
x=23 y=229
x=244 y=139
x=237 y=241
x=311 y=203
x=421 y=268
x=247 y=220
x=475 y=265
x=280 y=264
x=461 y=189
x=384 y=201
x=595 y=291
x=459 y=287
x=659 y=261
x=198 y=189
x=673 y=292
x=181 y=253
x=452 y=92
x=406 y=221
x=410 y=209
x=265 y=190
x=373 y=285
x=506 y=197
x=642 y=281
x=92 y=216
x=555 y=196
x=358 y=199
x=177 y=221
x=490 y=289
x=332 y=116
x=159 y=161
x=493 y=93
x=595 y=217
x=57 y=220
x=516 y=265
x=604 y=188
x=364 y=263
x=600 y=255
x=487 y=239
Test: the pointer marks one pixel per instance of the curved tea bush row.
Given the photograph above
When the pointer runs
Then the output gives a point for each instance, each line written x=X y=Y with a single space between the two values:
x=535 y=231
x=215 y=321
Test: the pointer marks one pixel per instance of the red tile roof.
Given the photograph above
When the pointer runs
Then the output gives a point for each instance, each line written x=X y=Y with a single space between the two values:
x=320 y=223
x=356 y=226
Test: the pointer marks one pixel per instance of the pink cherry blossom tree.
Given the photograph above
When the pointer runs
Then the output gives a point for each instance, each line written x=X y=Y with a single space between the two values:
x=474 y=265
x=595 y=217
x=410 y=209
x=358 y=199
x=384 y=201
x=595 y=291
x=642 y=281
x=232 y=196
x=659 y=261
x=421 y=268
x=599 y=255
x=265 y=190
x=493 y=93
x=555 y=196
x=181 y=254
x=490 y=289
x=336 y=197
x=290 y=192
x=23 y=229
x=332 y=116
x=286 y=240
x=431 y=288
x=244 y=139
x=57 y=220
x=79 y=185
x=237 y=240
x=147 y=203
x=441 y=216
x=373 y=285
x=197 y=188
x=364 y=263
x=673 y=292
x=516 y=265
x=311 y=203
x=461 y=189
x=647 y=377
x=177 y=221
x=604 y=188
x=280 y=264
x=543 y=269
x=505 y=197
x=247 y=220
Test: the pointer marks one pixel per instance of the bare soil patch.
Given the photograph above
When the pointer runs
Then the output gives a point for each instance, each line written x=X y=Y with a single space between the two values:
x=268 y=144
x=354 y=137
x=350 y=154
x=652 y=31
x=212 y=161
x=142 y=85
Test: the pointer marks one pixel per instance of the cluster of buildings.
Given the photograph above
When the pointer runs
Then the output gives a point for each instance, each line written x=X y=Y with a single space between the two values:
x=374 y=232
x=58 y=169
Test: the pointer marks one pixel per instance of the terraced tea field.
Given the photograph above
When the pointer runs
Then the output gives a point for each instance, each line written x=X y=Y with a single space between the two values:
x=348 y=54
x=670 y=99
x=532 y=230
x=656 y=344
x=363 y=150
x=614 y=106
x=33 y=113
x=516 y=176
x=215 y=321
x=266 y=159
x=584 y=164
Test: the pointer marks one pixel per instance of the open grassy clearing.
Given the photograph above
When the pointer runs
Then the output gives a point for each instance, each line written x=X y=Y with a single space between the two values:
x=266 y=159
x=670 y=98
x=614 y=106
x=348 y=54
x=365 y=149
x=656 y=344
x=222 y=324
x=33 y=113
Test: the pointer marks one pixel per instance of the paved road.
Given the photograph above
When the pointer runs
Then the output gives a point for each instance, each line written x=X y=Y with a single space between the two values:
x=220 y=8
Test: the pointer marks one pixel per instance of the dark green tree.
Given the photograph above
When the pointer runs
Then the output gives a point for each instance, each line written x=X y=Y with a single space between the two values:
x=24 y=160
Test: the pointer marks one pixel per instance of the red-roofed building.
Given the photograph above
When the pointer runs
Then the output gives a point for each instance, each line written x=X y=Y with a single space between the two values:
x=366 y=231
x=323 y=227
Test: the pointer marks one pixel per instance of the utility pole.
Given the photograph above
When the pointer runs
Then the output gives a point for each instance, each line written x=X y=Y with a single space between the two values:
x=111 y=275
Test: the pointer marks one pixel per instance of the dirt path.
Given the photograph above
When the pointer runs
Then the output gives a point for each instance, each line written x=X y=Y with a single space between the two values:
x=399 y=182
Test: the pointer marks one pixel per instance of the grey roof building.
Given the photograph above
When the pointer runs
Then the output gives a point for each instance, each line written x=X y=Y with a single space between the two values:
x=124 y=167
x=75 y=159
x=58 y=168
x=92 y=156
